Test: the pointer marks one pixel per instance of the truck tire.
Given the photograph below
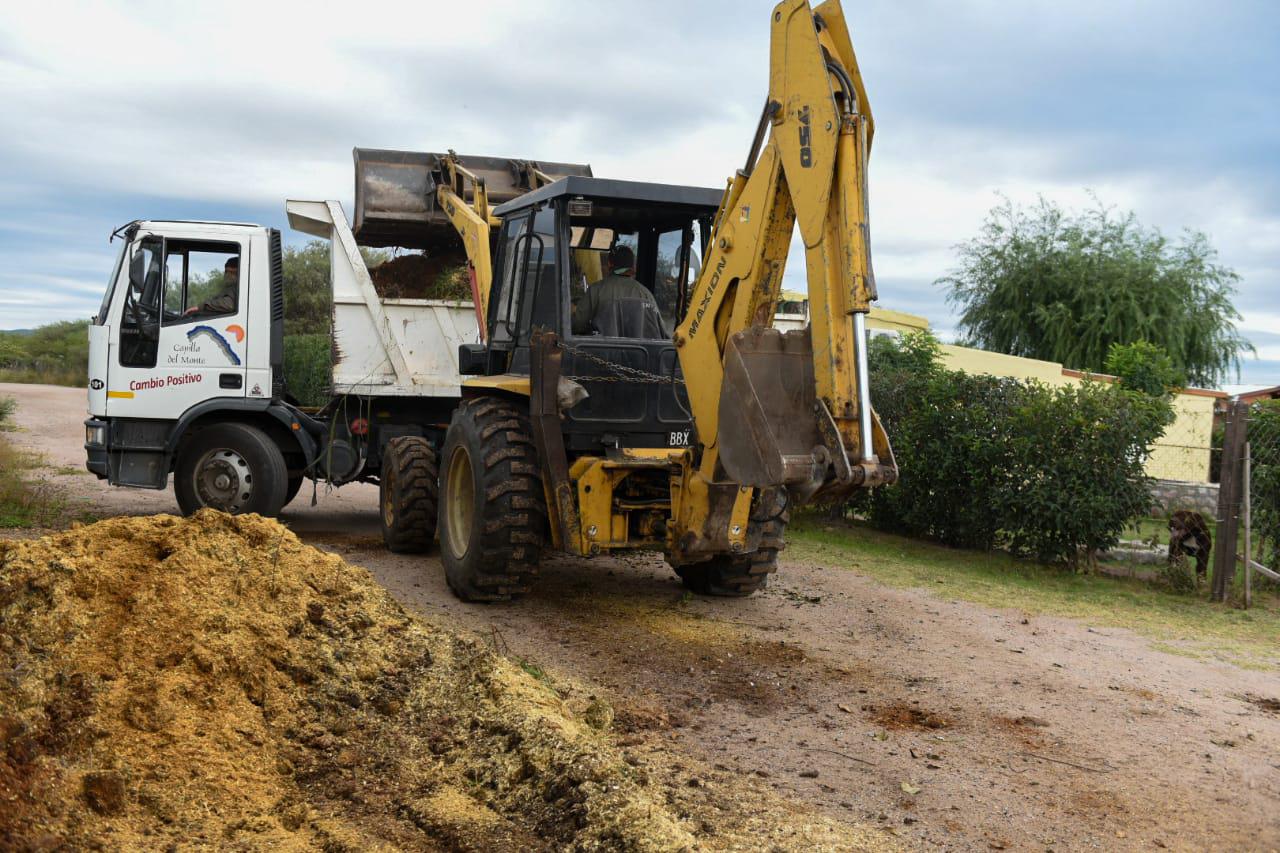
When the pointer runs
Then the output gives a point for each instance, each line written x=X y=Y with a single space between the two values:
x=739 y=575
x=493 y=514
x=295 y=485
x=408 y=488
x=233 y=467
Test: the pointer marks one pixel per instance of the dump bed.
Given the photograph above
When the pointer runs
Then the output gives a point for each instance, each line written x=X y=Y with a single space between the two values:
x=383 y=346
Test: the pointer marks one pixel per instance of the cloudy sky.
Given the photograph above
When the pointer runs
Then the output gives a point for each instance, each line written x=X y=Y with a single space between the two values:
x=122 y=111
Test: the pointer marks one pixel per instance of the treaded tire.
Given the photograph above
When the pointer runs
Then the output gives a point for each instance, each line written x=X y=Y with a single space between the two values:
x=493 y=514
x=295 y=485
x=408 y=487
x=246 y=455
x=739 y=575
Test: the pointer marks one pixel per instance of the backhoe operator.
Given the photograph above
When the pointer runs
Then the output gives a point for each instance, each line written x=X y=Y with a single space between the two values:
x=592 y=307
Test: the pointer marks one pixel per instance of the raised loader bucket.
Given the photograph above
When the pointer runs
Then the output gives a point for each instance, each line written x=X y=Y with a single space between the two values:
x=396 y=193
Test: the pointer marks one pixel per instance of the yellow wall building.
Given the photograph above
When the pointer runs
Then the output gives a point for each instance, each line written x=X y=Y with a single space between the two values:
x=1182 y=453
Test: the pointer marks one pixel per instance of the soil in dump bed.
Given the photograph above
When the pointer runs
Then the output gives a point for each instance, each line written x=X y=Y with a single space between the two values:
x=213 y=682
x=414 y=276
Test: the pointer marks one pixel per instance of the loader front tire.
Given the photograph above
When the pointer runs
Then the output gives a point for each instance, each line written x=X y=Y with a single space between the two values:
x=493 y=514
x=233 y=467
x=408 y=489
x=739 y=575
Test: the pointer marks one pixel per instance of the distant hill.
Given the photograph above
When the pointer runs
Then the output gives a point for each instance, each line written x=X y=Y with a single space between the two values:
x=17 y=331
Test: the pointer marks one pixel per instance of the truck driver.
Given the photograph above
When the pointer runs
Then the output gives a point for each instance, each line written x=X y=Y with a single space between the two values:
x=225 y=301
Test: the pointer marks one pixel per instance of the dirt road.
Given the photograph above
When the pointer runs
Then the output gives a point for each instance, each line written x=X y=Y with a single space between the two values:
x=949 y=724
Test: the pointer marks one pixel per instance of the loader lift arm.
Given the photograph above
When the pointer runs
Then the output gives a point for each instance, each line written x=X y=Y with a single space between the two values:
x=793 y=410
x=474 y=220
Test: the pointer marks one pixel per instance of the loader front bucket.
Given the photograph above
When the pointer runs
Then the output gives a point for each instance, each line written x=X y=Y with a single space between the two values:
x=774 y=431
x=396 y=193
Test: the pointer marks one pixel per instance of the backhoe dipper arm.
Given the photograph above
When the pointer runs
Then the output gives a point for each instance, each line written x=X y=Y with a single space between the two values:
x=772 y=409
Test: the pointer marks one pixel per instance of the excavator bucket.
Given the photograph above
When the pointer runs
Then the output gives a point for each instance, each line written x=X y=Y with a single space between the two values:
x=396 y=193
x=774 y=431
x=767 y=428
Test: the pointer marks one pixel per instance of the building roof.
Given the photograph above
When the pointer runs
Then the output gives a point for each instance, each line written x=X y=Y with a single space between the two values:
x=1272 y=393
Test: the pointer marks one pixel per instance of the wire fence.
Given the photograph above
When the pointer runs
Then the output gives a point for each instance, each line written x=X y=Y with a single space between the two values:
x=1249 y=504
x=1261 y=498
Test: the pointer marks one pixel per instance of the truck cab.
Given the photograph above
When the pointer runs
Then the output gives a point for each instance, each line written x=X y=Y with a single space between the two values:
x=191 y=325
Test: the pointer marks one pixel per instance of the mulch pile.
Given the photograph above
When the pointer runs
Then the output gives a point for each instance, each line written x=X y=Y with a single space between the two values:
x=211 y=682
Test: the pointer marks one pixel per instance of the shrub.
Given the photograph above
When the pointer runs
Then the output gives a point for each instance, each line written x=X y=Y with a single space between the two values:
x=307 y=368
x=1178 y=575
x=986 y=462
x=1143 y=366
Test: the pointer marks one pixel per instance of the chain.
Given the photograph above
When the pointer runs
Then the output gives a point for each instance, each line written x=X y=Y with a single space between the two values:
x=622 y=372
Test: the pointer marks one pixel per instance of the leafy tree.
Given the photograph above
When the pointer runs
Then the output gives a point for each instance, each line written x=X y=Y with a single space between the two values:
x=1143 y=366
x=1062 y=286
x=915 y=352
x=308 y=302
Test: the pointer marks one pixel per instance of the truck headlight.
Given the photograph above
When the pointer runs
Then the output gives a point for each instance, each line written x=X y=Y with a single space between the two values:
x=95 y=435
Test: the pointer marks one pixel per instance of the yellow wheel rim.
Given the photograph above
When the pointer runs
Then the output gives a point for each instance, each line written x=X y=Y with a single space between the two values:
x=459 y=501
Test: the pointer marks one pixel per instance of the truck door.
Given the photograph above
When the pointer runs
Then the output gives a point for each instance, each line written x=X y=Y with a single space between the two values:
x=182 y=327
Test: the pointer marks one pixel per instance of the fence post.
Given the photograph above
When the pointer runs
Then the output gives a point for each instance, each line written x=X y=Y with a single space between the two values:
x=1246 y=486
x=1228 y=516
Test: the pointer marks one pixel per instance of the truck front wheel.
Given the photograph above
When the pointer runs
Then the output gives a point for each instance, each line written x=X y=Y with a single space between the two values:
x=233 y=467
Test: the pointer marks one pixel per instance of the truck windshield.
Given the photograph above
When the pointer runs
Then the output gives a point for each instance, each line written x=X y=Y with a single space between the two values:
x=100 y=318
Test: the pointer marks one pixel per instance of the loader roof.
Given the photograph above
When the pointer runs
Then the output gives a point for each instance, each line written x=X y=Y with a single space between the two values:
x=637 y=191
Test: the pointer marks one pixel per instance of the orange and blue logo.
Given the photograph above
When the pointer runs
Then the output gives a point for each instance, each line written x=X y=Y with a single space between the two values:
x=238 y=331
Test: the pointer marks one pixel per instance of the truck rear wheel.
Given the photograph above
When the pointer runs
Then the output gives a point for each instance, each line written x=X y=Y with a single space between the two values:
x=408 y=488
x=493 y=515
x=232 y=467
x=739 y=575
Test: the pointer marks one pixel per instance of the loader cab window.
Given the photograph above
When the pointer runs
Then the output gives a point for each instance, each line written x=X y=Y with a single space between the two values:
x=140 y=314
x=667 y=250
x=202 y=280
x=528 y=286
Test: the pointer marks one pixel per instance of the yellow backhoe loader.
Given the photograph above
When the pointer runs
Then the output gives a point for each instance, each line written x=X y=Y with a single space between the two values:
x=679 y=421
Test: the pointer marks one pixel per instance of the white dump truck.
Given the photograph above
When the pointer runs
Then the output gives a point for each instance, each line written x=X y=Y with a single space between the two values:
x=187 y=351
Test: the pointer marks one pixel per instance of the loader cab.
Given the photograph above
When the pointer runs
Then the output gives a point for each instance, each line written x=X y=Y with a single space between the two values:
x=552 y=247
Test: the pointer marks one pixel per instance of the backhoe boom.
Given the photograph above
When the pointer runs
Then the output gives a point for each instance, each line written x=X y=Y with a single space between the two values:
x=773 y=410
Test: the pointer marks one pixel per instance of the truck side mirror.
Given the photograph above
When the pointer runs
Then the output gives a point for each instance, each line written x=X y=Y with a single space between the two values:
x=137 y=271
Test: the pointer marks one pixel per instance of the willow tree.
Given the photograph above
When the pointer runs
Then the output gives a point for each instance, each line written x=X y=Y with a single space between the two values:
x=1057 y=285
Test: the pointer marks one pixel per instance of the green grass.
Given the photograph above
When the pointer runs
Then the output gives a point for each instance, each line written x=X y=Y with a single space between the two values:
x=1188 y=623
x=71 y=377
x=25 y=500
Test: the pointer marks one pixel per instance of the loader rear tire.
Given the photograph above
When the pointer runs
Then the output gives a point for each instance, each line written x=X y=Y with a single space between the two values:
x=493 y=513
x=739 y=575
x=233 y=467
x=408 y=489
